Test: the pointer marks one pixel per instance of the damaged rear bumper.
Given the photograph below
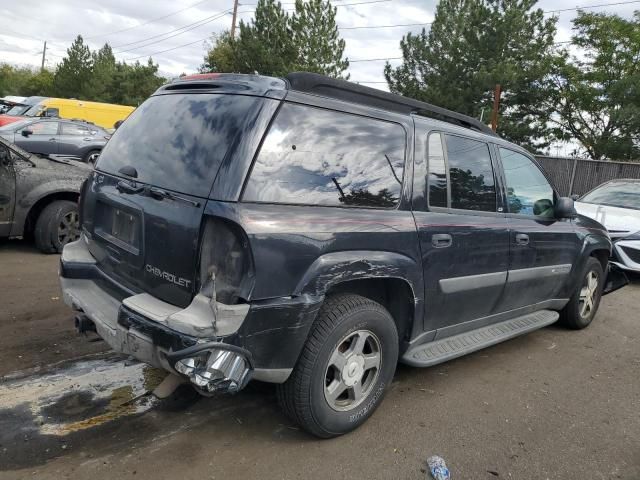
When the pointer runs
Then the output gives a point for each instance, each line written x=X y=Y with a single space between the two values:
x=217 y=347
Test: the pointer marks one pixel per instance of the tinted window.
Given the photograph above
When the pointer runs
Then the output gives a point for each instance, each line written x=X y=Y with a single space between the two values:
x=615 y=194
x=43 y=128
x=178 y=141
x=73 y=129
x=470 y=174
x=528 y=191
x=320 y=157
x=437 y=179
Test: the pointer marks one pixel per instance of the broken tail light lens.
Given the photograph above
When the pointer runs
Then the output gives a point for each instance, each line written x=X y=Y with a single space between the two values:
x=225 y=257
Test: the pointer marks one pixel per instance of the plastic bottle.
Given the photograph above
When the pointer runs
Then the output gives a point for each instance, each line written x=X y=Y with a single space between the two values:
x=438 y=468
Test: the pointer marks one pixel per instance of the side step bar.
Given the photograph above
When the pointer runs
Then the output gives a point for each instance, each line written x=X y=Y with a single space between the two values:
x=439 y=351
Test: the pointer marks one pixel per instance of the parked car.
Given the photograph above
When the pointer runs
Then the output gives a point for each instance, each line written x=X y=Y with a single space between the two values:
x=38 y=197
x=311 y=232
x=102 y=114
x=616 y=205
x=17 y=112
x=60 y=137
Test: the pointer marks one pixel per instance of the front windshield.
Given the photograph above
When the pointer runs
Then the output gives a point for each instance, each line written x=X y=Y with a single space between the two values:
x=18 y=110
x=615 y=194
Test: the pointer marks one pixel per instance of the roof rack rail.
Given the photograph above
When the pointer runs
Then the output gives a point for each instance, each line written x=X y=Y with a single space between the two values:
x=352 y=92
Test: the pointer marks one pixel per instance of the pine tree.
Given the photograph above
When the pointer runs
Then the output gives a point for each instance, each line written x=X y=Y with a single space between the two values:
x=316 y=36
x=274 y=43
x=74 y=73
x=103 y=70
x=472 y=46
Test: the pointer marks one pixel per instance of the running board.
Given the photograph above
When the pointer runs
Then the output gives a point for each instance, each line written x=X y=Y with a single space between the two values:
x=455 y=346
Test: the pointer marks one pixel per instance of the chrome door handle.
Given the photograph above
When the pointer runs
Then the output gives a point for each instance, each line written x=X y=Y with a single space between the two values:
x=522 y=239
x=441 y=240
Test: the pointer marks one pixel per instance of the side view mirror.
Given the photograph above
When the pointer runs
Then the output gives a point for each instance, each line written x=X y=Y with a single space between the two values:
x=574 y=197
x=26 y=133
x=564 y=208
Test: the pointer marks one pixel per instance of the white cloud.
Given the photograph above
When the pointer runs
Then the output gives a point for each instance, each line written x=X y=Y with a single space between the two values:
x=29 y=22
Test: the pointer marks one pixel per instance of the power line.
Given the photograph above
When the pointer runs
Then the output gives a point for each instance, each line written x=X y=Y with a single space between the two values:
x=215 y=17
x=148 y=21
x=374 y=59
x=169 y=49
x=387 y=26
x=601 y=5
x=205 y=20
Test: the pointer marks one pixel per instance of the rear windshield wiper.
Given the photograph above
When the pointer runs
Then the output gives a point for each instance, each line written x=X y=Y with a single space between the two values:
x=159 y=194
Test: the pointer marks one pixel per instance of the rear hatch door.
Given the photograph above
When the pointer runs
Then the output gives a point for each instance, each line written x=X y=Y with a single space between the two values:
x=142 y=209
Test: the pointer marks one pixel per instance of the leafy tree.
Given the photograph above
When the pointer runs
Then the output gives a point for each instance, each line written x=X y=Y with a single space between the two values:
x=40 y=84
x=13 y=79
x=220 y=56
x=472 y=46
x=132 y=84
x=274 y=43
x=75 y=71
x=597 y=95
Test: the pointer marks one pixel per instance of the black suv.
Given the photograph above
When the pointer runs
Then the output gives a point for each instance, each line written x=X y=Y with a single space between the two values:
x=312 y=233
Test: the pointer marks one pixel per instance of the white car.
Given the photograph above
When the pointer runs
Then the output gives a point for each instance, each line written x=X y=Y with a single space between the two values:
x=616 y=205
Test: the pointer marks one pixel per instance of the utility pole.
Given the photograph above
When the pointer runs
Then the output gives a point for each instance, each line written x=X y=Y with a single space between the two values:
x=44 y=54
x=496 y=107
x=233 y=22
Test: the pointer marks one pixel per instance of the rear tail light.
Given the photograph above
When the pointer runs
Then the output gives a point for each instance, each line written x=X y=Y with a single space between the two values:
x=83 y=187
x=225 y=261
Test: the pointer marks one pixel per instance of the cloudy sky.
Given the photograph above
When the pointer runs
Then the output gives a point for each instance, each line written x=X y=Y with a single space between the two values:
x=173 y=32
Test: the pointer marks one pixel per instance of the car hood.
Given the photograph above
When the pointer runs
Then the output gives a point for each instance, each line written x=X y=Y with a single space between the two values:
x=7 y=119
x=620 y=222
x=63 y=166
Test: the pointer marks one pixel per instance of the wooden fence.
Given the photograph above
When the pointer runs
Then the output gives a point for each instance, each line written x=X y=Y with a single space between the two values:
x=576 y=176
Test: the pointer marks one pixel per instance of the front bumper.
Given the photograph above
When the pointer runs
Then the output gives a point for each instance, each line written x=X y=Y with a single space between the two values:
x=267 y=336
x=626 y=255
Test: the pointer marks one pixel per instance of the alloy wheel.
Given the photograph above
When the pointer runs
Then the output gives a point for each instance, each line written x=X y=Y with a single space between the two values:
x=588 y=294
x=68 y=228
x=352 y=370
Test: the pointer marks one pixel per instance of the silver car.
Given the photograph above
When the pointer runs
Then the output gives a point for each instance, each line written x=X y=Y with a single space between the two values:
x=616 y=205
x=70 y=138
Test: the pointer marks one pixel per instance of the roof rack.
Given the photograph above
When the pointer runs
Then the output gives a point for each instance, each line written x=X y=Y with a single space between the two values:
x=352 y=92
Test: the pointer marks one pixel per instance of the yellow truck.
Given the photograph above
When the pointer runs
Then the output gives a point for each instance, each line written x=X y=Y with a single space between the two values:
x=102 y=114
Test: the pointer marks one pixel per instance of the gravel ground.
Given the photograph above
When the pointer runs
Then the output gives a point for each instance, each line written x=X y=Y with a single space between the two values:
x=554 y=404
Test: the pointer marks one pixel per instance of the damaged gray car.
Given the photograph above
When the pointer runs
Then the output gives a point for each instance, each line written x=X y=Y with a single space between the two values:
x=39 y=197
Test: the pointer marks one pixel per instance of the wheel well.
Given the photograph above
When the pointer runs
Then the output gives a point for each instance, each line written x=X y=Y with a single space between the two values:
x=393 y=293
x=603 y=257
x=37 y=208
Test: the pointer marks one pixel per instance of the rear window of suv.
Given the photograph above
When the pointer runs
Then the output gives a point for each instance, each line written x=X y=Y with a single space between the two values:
x=314 y=156
x=178 y=141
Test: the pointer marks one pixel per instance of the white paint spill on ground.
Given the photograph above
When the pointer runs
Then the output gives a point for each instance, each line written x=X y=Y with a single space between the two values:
x=82 y=394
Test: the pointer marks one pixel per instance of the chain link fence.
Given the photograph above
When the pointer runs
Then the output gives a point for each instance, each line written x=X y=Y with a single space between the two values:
x=576 y=176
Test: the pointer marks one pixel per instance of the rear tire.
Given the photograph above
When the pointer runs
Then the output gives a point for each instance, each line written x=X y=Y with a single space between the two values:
x=583 y=304
x=91 y=156
x=344 y=369
x=56 y=226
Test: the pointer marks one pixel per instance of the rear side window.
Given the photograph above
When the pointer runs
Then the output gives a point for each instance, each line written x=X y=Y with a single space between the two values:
x=73 y=129
x=471 y=174
x=314 y=156
x=437 y=179
x=471 y=182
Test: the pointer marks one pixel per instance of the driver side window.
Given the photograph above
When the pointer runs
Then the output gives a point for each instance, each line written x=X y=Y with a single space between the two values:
x=528 y=191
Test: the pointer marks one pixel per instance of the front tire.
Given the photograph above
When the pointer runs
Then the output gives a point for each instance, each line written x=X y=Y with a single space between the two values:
x=583 y=304
x=56 y=226
x=344 y=369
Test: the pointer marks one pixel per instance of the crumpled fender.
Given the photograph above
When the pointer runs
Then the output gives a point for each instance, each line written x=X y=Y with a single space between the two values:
x=32 y=196
x=333 y=268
